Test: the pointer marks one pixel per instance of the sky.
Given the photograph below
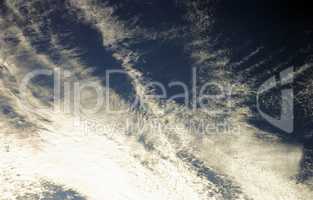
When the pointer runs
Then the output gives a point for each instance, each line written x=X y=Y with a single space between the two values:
x=156 y=99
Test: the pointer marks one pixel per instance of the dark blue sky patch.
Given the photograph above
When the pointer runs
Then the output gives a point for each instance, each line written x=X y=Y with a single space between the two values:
x=165 y=62
x=156 y=14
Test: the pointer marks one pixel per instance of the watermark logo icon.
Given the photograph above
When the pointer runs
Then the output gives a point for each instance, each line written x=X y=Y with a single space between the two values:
x=286 y=120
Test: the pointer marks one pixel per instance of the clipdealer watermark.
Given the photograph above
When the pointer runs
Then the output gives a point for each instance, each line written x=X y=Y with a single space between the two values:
x=129 y=126
x=68 y=92
x=67 y=95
